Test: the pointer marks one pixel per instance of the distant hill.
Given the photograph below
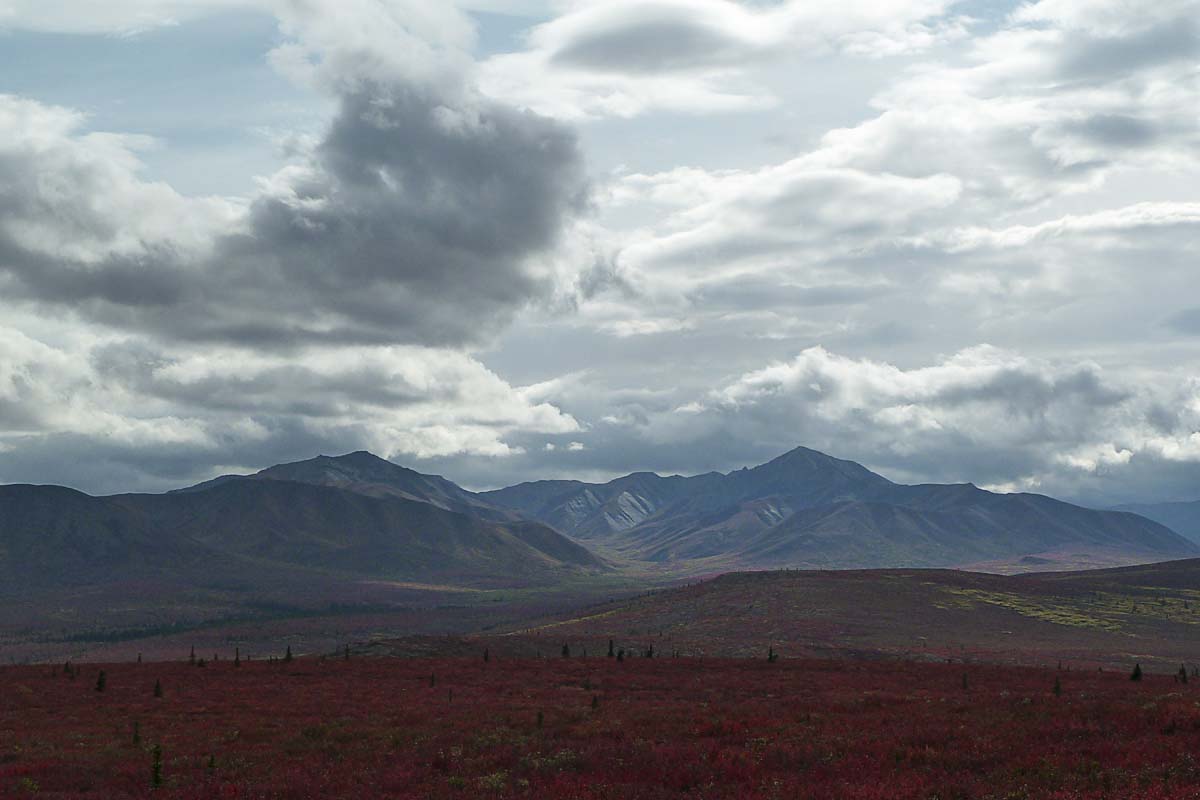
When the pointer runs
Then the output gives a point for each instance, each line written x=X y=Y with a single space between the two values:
x=1117 y=616
x=50 y=536
x=807 y=509
x=364 y=473
x=1183 y=518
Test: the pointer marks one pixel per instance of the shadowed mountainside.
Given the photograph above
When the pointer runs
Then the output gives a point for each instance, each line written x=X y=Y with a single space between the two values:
x=57 y=537
x=1183 y=518
x=807 y=509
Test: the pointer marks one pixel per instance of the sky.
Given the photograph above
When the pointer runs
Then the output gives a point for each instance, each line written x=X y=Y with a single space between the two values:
x=505 y=241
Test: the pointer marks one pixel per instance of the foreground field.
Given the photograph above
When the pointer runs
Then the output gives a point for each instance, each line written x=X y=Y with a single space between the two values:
x=595 y=728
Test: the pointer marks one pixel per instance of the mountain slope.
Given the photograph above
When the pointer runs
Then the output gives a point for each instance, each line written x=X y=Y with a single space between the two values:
x=390 y=537
x=364 y=473
x=269 y=531
x=1183 y=518
x=808 y=509
x=50 y=535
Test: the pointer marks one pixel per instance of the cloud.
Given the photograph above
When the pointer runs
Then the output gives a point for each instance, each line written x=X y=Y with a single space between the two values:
x=155 y=335
x=122 y=17
x=425 y=214
x=139 y=406
x=984 y=414
x=628 y=57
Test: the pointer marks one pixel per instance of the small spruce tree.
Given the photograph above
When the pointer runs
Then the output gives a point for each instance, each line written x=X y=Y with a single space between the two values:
x=158 y=692
x=486 y=655
x=101 y=681
x=192 y=657
x=566 y=650
x=1057 y=687
x=156 y=768
x=288 y=655
x=1136 y=675
x=611 y=652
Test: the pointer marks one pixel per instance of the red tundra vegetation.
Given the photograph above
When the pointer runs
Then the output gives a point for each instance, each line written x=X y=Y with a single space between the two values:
x=594 y=728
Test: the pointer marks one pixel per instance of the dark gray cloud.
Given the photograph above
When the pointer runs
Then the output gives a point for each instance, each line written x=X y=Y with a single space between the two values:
x=415 y=220
x=654 y=46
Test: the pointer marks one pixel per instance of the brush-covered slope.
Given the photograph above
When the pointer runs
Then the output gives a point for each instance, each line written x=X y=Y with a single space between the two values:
x=809 y=509
x=1124 y=615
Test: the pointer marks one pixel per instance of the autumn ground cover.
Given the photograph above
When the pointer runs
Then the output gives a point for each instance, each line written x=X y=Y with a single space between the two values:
x=594 y=728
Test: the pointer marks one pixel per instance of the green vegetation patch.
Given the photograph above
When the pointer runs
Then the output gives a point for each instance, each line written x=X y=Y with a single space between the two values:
x=1058 y=610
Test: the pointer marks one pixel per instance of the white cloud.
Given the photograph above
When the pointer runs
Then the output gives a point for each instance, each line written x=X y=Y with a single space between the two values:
x=137 y=403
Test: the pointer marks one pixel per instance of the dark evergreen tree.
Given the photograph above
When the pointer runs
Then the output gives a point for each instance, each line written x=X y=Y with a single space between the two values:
x=288 y=655
x=101 y=681
x=1136 y=675
x=158 y=692
x=611 y=652
x=156 y=771
x=486 y=655
x=566 y=650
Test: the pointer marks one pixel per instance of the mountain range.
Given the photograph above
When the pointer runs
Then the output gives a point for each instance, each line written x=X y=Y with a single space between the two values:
x=807 y=509
x=359 y=516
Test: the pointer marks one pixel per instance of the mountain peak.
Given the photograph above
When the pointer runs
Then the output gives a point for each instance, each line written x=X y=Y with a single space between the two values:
x=357 y=457
x=806 y=461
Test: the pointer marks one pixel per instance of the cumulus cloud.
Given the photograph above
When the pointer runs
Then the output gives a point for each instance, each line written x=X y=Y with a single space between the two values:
x=327 y=312
x=984 y=414
x=1029 y=189
x=425 y=214
x=138 y=408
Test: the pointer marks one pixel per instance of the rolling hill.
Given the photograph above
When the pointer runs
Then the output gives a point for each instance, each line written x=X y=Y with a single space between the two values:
x=807 y=509
x=1148 y=613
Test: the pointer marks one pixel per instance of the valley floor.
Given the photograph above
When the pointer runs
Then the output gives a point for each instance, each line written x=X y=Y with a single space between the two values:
x=595 y=728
